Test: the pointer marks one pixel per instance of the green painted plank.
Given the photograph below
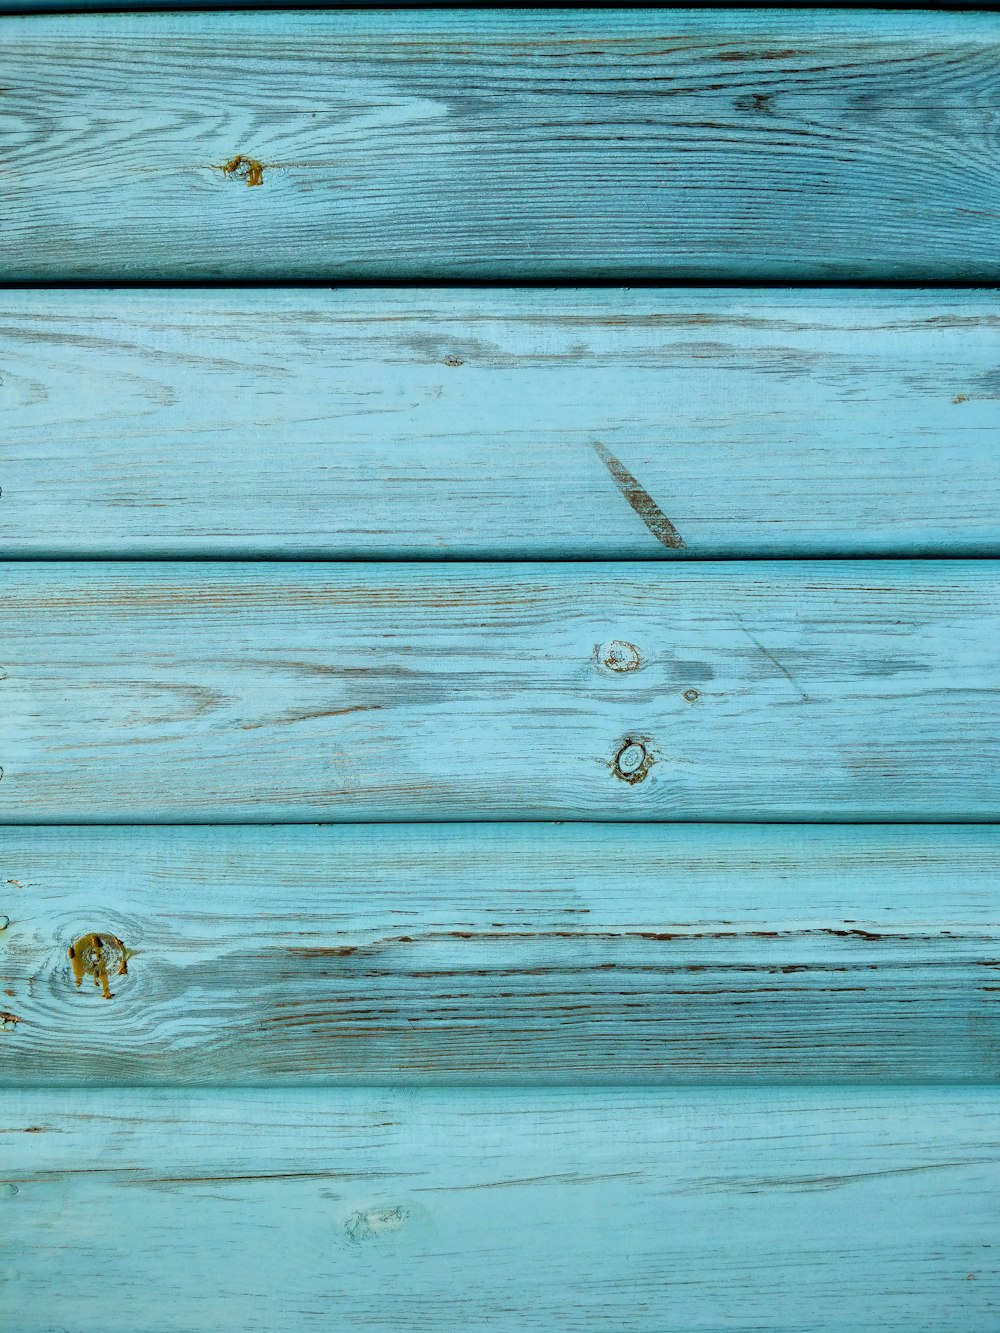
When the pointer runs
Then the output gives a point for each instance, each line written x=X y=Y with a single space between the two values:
x=499 y=954
x=499 y=424
x=530 y=145
x=228 y=692
x=577 y=1210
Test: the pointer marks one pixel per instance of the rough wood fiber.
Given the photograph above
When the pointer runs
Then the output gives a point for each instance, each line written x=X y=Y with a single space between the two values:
x=576 y=1210
x=263 y=692
x=496 y=424
x=500 y=954
x=529 y=145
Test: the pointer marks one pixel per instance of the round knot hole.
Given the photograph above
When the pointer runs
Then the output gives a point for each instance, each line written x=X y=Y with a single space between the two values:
x=632 y=760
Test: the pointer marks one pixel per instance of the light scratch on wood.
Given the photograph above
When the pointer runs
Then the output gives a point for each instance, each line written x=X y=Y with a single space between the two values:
x=774 y=661
x=639 y=498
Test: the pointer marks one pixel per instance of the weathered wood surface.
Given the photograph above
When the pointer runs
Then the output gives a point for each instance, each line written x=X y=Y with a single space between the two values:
x=138 y=692
x=527 y=145
x=429 y=954
x=497 y=424
x=64 y=6
x=518 y=1210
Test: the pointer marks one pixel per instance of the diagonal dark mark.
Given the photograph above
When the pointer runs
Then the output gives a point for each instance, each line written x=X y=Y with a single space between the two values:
x=771 y=658
x=640 y=500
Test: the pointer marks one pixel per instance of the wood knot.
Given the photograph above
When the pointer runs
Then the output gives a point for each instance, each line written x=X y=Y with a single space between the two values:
x=245 y=169
x=371 y=1223
x=619 y=655
x=100 y=957
x=632 y=761
x=692 y=696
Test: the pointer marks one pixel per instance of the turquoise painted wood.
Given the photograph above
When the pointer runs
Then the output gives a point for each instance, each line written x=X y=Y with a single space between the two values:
x=501 y=145
x=778 y=1209
x=287 y=568
x=843 y=690
x=499 y=954
x=499 y=424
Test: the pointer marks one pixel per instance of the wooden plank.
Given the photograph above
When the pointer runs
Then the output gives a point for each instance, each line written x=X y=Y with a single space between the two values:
x=497 y=954
x=514 y=1210
x=27 y=7
x=216 y=692
x=530 y=145
x=498 y=424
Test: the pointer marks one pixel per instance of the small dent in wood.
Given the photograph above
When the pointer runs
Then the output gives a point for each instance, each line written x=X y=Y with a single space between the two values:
x=453 y=361
x=100 y=957
x=245 y=169
x=632 y=760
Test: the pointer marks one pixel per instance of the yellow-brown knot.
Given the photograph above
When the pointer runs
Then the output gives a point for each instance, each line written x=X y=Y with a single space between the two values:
x=99 y=956
x=245 y=169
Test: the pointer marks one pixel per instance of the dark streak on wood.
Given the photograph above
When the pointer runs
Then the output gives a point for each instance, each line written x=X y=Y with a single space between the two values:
x=640 y=499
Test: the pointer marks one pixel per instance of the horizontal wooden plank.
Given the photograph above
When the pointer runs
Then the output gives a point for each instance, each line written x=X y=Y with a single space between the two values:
x=499 y=424
x=530 y=145
x=89 y=6
x=519 y=1210
x=499 y=954
x=145 y=692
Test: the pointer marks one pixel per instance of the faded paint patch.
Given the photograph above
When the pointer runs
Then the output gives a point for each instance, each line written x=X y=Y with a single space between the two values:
x=372 y=1223
x=640 y=499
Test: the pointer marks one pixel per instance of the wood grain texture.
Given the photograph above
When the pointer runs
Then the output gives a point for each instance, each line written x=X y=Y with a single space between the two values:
x=576 y=1210
x=490 y=424
x=527 y=145
x=137 y=692
x=501 y=954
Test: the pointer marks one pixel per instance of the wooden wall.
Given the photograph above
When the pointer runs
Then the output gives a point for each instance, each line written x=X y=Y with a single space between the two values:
x=499 y=756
